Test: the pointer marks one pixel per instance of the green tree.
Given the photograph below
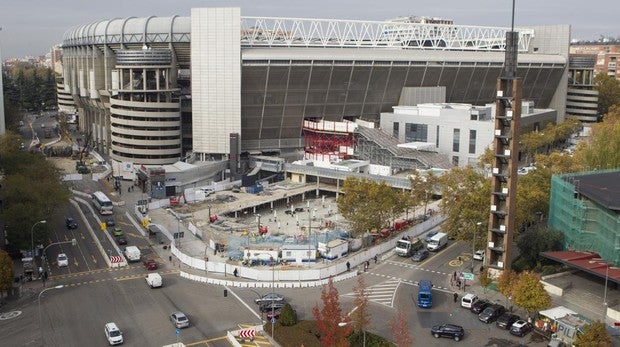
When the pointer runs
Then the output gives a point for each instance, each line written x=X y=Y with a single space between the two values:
x=608 y=92
x=329 y=317
x=602 y=149
x=465 y=201
x=593 y=335
x=423 y=188
x=360 y=317
x=288 y=316
x=6 y=271
x=529 y=293
x=537 y=240
x=368 y=205
x=400 y=329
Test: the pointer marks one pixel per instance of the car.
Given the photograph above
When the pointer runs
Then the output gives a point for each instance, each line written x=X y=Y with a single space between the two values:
x=491 y=313
x=179 y=320
x=430 y=235
x=506 y=320
x=120 y=239
x=520 y=328
x=275 y=314
x=62 y=260
x=452 y=331
x=110 y=222
x=71 y=223
x=271 y=306
x=479 y=255
x=269 y=298
x=479 y=306
x=117 y=232
x=42 y=125
x=113 y=334
x=420 y=255
x=150 y=264
x=468 y=300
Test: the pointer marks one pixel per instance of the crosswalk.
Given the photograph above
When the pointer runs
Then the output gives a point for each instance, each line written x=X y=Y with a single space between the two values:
x=382 y=293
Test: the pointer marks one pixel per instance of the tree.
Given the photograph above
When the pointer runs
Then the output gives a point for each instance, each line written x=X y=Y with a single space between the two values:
x=506 y=282
x=485 y=279
x=602 y=149
x=368 y=205
x=360 y=316
x=529 y=293
x=6 y=271
x=465 y=201
x=288 y=316
x=329 y=316
x=537 y=240
x=608 y=92
x=400 y=329
x=423 y=188
x=593 y=335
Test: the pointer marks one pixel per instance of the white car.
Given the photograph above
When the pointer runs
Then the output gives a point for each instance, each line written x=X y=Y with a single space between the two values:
x=468 y=300
x=479 y=255
x=62 y=260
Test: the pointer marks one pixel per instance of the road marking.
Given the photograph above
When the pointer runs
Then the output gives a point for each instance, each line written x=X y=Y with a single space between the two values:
x=382 y=293
x=10 y=315
x=205 y=342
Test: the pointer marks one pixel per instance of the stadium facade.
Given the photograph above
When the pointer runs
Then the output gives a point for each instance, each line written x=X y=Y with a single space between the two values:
x=154 y=90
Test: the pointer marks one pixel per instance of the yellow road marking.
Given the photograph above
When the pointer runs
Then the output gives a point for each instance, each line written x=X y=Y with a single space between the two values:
x=206 y=341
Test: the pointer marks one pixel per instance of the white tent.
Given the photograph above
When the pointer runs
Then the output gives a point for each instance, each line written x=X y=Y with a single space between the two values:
x=557 y=312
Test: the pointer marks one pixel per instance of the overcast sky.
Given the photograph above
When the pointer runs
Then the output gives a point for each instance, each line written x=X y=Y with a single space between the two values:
x=31 y=27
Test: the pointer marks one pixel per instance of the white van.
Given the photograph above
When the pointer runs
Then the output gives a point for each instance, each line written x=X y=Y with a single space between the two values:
x=468 y=300
x=113 y=334
x=154 y=280
x=132 y=253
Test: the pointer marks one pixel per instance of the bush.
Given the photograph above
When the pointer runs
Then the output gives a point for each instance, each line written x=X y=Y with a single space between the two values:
x=288 y=316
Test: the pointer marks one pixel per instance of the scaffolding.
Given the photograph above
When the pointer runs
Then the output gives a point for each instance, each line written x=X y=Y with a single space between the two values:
x=329 y=141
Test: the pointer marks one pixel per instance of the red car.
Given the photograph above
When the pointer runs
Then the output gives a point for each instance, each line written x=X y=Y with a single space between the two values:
x=150 y=264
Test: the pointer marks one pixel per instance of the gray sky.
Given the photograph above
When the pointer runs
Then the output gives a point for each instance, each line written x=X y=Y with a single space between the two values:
x=31 y=27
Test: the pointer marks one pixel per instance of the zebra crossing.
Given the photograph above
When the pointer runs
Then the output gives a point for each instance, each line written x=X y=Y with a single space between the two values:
x=382 y=293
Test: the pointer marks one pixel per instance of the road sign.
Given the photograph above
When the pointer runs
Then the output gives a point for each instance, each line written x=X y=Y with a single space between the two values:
x=177 y=331
x=247 y=333
x=468 y=276
x=273 y=320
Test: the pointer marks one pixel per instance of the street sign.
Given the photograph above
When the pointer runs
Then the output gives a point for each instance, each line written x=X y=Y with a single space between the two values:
x=178 y=331
x=468 y=276
x=273 y=320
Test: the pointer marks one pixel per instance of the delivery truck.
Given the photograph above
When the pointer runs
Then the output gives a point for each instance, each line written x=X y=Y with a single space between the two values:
x=132 y=253
x=437 y=242
x=407 y=246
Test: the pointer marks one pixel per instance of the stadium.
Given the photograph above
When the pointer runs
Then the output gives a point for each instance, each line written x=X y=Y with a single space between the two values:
x=156 y=90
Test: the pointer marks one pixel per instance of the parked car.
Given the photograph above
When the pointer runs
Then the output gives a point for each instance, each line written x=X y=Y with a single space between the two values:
x=110 y=222
x=452 y=331
x=120 y=239
x=491 y=313
x=117 y=232
x=468 y=300
x=269 y=298
x=179 y=320
x=71 y=223
x=271 y=306
x=420 y=255
x=62 y=260
x=150 y=264
x=479 y=255
x=113 y=334
x=479 y=306
x=506 y=320
x=520 y=328
x=430 y=235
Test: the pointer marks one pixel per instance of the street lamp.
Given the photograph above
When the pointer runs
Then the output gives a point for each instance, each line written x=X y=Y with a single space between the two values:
x=473 y=246
x=32 y=235
x=342 y=324
x=606 y=278
x=39 y=304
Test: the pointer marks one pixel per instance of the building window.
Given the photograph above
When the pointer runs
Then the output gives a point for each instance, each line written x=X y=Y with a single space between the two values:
x=455 y=160
x=395 y=129
x=416 y=132
x=456 y=140
x=472 y=142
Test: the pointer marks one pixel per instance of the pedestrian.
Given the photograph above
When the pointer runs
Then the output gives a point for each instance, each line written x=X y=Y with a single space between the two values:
x=456 y=296
x=236 y=272
x=454 y=276
x=375 y=258
x=367 y=264
x=348 y=266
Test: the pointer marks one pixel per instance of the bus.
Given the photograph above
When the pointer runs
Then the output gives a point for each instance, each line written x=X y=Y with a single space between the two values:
x=102 y=203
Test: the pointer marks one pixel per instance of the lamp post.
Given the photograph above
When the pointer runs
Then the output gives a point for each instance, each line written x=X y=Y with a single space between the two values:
x=606 y=278
x=342 y=324
x=39 y=304
x=473 y=246
x=32 y=235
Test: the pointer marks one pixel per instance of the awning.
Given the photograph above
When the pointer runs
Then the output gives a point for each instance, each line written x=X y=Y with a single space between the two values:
x=557 y=312
x=589 y=262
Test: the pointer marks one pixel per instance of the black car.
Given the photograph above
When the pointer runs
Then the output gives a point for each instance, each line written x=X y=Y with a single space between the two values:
x=110 y=222
x=452 y=331
x=420 y=255
x=271 y=306
x=121 y=239
x=505 y=321
x=520 y=328
x=479 y=306
x=491 y=313
x=71 y=223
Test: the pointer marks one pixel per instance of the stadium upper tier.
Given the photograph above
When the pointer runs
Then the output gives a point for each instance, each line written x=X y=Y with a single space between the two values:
x=298 y=32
